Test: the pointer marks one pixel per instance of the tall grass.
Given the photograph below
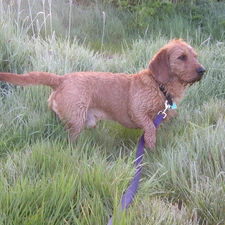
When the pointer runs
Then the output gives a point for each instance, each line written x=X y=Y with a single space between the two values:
x=46 y=179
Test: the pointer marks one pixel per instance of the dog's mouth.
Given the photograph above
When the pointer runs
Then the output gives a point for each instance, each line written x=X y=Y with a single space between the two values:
x=200 y=72
x=193 y=81
x=196 y=80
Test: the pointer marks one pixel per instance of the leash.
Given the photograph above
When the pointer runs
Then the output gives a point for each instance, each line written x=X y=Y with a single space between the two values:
x=132 y=189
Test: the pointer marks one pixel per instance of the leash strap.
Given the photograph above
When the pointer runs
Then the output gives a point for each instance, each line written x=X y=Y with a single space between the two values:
x=132 y=189
x=129 y=195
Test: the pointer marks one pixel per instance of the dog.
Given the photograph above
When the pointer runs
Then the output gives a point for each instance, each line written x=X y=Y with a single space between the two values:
x=133 y=100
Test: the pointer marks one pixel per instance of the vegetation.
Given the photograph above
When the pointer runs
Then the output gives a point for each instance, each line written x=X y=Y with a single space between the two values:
x=46 y=179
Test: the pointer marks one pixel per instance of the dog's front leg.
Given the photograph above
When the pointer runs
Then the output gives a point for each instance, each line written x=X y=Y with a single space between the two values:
x=147 y=125
x=150 y=135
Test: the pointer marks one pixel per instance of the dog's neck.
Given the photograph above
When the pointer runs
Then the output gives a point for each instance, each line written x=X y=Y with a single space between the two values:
x=172 y=89
x=175 y=90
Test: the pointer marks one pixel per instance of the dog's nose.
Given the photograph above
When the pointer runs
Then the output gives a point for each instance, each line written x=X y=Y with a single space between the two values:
x=200 y=71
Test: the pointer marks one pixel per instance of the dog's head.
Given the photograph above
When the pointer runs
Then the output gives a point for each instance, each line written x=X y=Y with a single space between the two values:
x=176 y=60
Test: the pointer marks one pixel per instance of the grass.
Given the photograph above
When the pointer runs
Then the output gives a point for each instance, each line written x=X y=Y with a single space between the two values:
x=46 y=179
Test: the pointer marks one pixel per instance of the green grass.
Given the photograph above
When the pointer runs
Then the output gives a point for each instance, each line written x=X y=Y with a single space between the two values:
x=46 y=179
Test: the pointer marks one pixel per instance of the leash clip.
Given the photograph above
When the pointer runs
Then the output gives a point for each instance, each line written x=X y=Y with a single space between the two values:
x=167 y=106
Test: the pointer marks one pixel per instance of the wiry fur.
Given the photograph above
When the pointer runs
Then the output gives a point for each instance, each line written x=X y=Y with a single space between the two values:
x=133 y=100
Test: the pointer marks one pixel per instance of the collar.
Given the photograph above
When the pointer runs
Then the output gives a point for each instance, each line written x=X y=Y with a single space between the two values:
x=169 y=98
x=169 y=104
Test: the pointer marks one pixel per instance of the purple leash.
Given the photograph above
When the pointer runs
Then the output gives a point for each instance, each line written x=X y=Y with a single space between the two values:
x=132 y=189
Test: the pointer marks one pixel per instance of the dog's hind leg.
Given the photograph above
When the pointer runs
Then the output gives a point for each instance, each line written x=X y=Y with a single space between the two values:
x=76 y=122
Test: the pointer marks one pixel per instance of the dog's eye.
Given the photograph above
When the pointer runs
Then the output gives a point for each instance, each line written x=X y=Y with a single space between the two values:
x=182 y=57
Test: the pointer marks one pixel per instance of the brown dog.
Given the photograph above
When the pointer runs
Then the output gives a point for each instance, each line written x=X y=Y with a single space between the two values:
x=133 y=100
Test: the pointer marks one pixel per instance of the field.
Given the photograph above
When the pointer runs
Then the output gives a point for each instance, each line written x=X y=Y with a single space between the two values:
x=46 y=179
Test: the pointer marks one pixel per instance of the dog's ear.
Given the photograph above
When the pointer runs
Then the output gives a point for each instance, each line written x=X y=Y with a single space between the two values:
x=160 y=67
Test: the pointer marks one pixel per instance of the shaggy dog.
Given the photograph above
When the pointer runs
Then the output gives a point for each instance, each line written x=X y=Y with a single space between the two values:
x=133 y=100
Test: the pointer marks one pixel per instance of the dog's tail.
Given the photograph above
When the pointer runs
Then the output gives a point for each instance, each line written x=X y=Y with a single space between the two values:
x=31 y=78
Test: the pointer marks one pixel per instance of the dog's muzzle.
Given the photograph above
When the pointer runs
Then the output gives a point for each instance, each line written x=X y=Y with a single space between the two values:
x=200 y=71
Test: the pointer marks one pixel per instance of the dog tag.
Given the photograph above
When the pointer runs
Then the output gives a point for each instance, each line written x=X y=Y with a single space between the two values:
x=174 y=106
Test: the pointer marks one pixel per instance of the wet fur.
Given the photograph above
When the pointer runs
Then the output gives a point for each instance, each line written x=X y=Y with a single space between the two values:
x=133 y=100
